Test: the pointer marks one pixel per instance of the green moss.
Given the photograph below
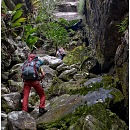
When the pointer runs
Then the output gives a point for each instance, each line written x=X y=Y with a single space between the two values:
x=84 y=90
x=5 y=107
x=122 y=75
x=77 y=55
x=118 y=96
x=54 y=91
x=108 y=81
x=105 y=116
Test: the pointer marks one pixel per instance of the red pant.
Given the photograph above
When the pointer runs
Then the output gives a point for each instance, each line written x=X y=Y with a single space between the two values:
x=27 y=87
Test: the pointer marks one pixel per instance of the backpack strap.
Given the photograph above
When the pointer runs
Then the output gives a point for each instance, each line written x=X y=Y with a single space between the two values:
x=23 y=67
x=35 y=68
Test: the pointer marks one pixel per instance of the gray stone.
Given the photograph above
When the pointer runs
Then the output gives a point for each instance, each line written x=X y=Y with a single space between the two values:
x=21 y=120
x=13 y=100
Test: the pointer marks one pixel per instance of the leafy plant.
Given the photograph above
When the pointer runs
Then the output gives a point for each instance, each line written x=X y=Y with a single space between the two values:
x=57 y=34
x=12 y=20
x=16 y=16
x=30 y=36
x=123 y=25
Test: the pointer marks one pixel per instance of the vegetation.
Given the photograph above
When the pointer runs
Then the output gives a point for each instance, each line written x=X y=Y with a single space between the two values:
x=123 y=25
x=105 y=119
x=32 y=27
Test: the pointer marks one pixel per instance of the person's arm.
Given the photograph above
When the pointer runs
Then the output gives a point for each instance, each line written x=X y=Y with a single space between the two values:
x=42 y=73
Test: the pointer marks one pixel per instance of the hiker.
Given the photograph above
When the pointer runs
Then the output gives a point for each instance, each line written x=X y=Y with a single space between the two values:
x=60 y=53
x=31 y=78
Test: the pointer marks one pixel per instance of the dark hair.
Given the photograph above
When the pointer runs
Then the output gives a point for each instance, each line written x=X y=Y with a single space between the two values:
x=33 y=51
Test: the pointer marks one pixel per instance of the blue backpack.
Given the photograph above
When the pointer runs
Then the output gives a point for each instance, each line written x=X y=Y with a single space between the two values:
x=30 y=69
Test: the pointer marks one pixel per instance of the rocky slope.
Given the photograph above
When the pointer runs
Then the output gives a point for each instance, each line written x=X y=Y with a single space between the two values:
x=92 y=95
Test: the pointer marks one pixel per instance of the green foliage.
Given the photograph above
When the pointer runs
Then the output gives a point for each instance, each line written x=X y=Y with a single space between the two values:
x=3 y=7
x=30 y=36
x=123 y=25
x=57 y=34
x=104 y=119
x=16 y=20
x=72 y=22
x=84 y=90
x=52 y=31
x=63 y=22
x=5 y=107
x=16 y=16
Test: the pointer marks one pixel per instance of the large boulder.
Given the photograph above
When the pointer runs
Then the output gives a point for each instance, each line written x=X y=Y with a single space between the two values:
x=15 y=73
x=52 y=61
x=11 y=102
x=49 y=74
x=68 y=74
x=101 y=19
x=91 y=65
x=19 y=120
x=3 y=121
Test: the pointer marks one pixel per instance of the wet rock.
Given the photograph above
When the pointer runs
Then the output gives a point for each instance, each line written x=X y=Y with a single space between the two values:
x=21 y=120
x=14 y=86
x=11 y=101
x=122 y=54
x=67 y=10
x=62 y=67
x=68 y=74
x=67 y=7
x=15 y=73
x=89 y=123
x=49 y=74
x=3 y=116
x=59 y=107
x=98 y=14
x=126 y=37
x=52 y=61
x=97 y=96
x=91 y=81
x=79 y=76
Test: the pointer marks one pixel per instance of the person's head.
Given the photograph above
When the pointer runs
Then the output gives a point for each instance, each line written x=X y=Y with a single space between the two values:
x=31 y=56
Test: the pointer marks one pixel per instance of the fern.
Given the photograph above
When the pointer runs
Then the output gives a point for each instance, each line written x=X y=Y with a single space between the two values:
x=123 y=25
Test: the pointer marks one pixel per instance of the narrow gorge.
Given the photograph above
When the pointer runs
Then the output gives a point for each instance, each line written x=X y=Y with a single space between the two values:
x=89 y=88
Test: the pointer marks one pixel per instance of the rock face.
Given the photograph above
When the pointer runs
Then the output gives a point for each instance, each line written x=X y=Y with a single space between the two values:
x=101 y=18
x=111 y=47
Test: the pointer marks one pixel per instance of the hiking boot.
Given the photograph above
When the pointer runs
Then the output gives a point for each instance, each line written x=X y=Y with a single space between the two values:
x=42 y=110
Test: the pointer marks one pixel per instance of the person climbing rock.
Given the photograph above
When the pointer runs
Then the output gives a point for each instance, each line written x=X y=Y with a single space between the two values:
x=60 y=53
x=31 y=71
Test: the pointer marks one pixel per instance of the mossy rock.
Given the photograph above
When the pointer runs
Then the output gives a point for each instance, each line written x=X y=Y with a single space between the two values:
x=5 y=107
x=77 y=55
x=122 y=76
x=118 y=96
x=103 y=118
